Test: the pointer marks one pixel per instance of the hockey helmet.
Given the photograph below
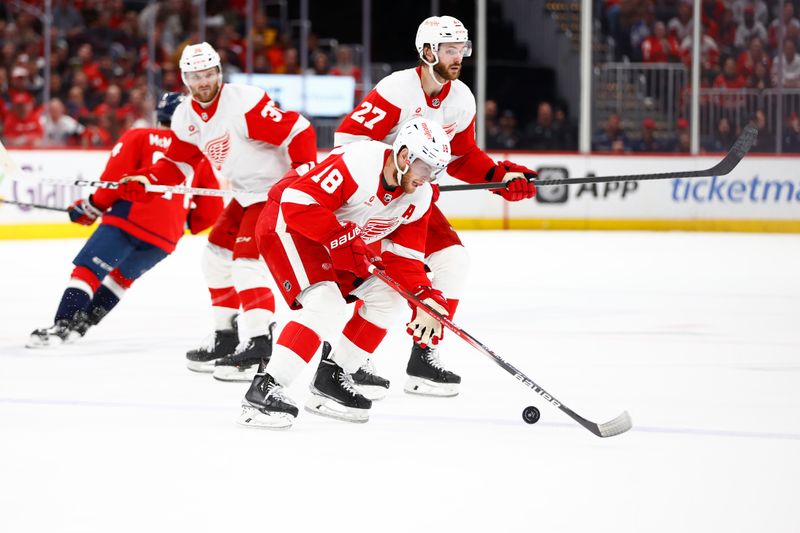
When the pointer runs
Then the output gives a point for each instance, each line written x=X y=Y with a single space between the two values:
x=437 y=30
x=428 y=147
x=197 y=57
x=167 y=105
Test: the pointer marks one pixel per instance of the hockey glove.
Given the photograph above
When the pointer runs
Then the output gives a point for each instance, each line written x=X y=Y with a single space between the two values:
x=424 y=328
x=134 y=189
x=84 y=212
x=517 y=185
x=349 y=252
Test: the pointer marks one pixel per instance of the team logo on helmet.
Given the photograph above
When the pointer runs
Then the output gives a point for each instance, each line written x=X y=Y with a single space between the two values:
x=217 y=149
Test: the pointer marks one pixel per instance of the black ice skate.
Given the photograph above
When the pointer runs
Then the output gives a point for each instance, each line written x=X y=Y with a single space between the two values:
x=265 y=405
x=223 y=342
x=427 y=376
x=370 y=384
x=56 y=335
x=333 y=393
x=243 y=364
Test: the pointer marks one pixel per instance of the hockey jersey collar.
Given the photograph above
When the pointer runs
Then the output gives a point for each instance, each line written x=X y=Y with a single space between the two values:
x=206 y=113
x=434 y=102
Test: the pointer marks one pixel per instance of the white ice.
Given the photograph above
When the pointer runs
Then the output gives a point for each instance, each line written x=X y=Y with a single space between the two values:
x=696 y=335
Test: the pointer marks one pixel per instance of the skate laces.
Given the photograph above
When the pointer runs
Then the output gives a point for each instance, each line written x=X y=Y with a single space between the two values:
x=432 y=357
x=208 y=343
x=347 y=383
x=274 y=390
x=368 y=367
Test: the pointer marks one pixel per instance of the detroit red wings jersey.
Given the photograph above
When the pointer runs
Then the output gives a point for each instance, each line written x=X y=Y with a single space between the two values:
x=398 y=98
x=162 y=221
x=348 y=186
x=247 y=139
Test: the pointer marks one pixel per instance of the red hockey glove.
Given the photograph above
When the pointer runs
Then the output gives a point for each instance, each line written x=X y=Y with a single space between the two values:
x=349 y=252
x=424 y=328
x=518 y=187
x=132 y=188
x=84 y=212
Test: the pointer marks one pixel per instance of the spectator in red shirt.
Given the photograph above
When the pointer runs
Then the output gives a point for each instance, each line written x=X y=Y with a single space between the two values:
x=22 y=128
x=660 y=47
x=91 y=69
x=730 y=78
x=754 y=54
x=20 y=83
x=96 y=134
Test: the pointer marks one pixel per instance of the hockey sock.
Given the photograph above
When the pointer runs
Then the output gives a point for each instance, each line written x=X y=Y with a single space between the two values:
x=295 y=347
x=82 y=284
x=360 y=339
x=72 y=301
x=258 y=308
x=224 y=304
x=103 y=302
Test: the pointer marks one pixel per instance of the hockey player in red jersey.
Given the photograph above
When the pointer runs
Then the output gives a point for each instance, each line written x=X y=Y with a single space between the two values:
x=433 y=90
x=251 y=143
x=314 y=235
x=132 y=237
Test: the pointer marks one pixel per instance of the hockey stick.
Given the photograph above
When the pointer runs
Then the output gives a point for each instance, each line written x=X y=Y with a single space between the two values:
x=740 y=148
x=177 y=189
x=620 y=424
x=35 y=206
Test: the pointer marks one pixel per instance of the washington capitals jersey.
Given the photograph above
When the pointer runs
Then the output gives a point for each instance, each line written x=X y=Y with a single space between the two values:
x=161 y=221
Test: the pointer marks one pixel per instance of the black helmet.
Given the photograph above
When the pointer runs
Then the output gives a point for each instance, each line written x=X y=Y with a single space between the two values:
x=167 y=105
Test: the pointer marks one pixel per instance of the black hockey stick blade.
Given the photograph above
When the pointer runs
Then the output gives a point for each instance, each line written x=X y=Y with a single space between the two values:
x=621 y=424
x=34 y=206
x=737 y=152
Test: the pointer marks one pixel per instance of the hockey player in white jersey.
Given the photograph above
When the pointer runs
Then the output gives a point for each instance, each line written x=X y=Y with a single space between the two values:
x=314 y=235
x=433 y=90
x=251 y=143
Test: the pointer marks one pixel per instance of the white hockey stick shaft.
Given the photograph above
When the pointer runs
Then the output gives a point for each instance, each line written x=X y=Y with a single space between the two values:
x=177 y=189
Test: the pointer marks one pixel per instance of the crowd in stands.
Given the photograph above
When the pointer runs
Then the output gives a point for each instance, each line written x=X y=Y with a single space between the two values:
x=98 y=67
x=739 y=50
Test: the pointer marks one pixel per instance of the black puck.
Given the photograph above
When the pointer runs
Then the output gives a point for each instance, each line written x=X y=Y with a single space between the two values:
x=530 y=415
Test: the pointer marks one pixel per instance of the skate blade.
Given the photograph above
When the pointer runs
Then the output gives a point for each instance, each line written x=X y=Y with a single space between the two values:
x=372 y=392
x=426 y=387
x=233 y=373
x=206 y=367
x=319 y=405
x=252 y=417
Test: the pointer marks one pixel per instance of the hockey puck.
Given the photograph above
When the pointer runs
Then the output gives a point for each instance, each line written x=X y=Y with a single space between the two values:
x=530 y=414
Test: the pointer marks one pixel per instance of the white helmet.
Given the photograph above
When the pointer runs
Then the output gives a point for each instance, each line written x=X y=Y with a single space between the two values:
x=436 y=30
x=196 y=57
x=428 y=147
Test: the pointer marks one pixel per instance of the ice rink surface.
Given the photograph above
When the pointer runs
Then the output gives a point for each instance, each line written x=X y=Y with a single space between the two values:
x=696 y=335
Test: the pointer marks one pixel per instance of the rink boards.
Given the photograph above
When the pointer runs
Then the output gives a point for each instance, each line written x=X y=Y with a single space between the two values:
x=761 y=194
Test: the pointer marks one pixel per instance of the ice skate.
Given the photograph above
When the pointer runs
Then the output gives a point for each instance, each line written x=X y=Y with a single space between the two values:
x=370 y=384
x=266 y=406
x=333 y=393
x=221 y=343
x=243 y=364
x=59 y=333
x=427 y=376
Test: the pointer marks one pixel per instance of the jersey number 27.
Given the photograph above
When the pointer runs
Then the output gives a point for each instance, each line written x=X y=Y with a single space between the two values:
x=360 y=115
